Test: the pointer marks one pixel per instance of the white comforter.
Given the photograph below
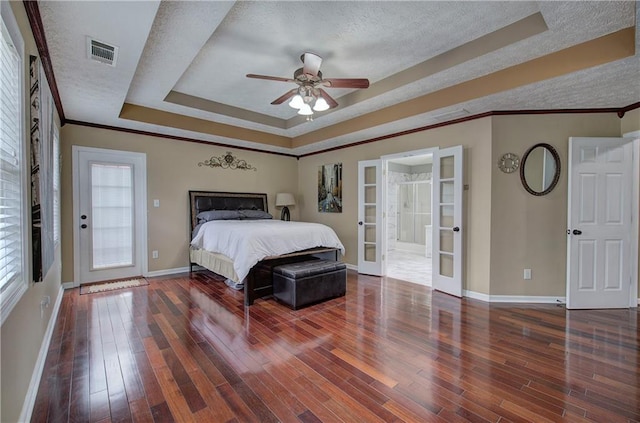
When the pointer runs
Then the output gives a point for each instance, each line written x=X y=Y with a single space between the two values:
x=247 y=242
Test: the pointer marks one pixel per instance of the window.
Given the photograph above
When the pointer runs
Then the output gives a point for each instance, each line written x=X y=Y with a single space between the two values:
x=13 y=277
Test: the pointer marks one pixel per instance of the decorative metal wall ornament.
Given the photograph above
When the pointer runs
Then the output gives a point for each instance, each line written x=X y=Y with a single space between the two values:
x=228 y=161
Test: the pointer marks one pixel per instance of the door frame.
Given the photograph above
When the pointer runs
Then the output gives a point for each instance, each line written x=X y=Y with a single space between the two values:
x=140 y=205
x=385 y=169
x=634 y=300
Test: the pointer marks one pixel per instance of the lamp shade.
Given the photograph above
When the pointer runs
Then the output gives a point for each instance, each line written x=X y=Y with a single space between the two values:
x=285 y=199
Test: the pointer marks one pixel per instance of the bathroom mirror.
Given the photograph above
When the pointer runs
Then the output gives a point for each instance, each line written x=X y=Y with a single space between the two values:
x=540 y=169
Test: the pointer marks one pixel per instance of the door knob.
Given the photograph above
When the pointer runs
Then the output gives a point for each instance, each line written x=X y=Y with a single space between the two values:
x=83 y=226
x=577 y=232
x=456 y=229
x=360 y=223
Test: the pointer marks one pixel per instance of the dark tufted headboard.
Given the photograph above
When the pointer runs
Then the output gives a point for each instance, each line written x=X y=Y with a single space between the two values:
x=211 y=200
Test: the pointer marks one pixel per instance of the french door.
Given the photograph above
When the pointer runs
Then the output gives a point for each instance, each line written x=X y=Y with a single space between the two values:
x=447 y=220
x=109 y=214
x=599 y=234
x=370 y=217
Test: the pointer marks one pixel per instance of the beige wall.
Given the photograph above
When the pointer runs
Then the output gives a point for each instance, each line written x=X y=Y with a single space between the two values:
x=172 y=170
x=630 y=122
x=475 y=136
x=529 y=231
x=23 y=331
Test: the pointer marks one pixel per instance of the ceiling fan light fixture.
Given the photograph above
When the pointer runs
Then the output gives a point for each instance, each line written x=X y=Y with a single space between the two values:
x=321 y=105
x=296 y=102
x=305 y=110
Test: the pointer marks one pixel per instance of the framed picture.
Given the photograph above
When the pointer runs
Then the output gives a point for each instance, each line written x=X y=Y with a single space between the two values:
x=330 y=188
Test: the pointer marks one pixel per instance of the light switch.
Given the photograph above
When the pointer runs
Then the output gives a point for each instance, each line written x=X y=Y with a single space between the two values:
x=156 y=203
x=527 y=274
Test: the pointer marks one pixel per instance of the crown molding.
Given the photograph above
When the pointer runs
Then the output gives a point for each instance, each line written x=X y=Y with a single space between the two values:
x=35 y=21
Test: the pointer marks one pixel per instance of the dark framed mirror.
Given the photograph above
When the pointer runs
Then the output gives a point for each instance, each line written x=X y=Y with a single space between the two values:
x=540 y=169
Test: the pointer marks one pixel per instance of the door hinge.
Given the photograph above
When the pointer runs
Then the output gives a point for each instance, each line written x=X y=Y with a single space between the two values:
x=383 y=257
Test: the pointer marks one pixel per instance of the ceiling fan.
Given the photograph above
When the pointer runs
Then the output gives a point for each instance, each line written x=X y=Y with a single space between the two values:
x=310 y=86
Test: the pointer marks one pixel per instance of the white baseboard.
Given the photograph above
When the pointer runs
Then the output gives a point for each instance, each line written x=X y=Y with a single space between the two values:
x=169 y=271
x=531 y=299
x=351 y=266
x=32 y=392
x=69 y=285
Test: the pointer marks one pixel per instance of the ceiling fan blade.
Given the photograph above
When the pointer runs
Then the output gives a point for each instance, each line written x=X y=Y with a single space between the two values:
x=312 y=63
x=332 y=103
x=347 y=82
x=285 y=96
x=269 y=78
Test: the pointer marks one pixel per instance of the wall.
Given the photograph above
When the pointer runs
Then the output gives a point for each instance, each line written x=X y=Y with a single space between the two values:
x=172 y=170
x=630 y=122
x=24 y=329
x=529 y=231
x=474 y=135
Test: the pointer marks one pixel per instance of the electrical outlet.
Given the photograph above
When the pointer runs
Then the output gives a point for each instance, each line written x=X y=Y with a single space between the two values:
x=154 y=254
x=527 y=274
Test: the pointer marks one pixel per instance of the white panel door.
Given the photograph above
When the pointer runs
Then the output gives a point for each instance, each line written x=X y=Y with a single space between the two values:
x=599 y=223
x=109 y=214
x=447 y=220
x=370 y=217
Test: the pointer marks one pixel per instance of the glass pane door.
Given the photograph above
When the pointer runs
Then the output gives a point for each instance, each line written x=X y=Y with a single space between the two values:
x=369 y=217
x=447 y=221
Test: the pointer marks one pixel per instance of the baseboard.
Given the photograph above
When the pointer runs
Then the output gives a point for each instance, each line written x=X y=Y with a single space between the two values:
x=169 y=271
x=476 y=295
x=32 y=392
x=69 y=285
x=351 y=266
x=530 y=299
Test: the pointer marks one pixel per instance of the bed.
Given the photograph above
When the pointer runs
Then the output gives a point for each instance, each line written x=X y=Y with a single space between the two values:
x=231 y=237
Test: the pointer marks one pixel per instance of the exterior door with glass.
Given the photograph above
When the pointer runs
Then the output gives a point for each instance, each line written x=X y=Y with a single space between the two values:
x=109 y=214
x=370 y=217
x=447 y=220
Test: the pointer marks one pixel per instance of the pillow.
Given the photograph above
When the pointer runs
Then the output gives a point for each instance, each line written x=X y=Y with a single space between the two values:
x=209 y=215
x=254 y=214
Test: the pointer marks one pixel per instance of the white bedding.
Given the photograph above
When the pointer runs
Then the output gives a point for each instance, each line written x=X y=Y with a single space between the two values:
x=247 y=242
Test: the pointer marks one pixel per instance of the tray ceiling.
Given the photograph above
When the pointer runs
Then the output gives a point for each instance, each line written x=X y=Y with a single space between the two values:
x=181 y=65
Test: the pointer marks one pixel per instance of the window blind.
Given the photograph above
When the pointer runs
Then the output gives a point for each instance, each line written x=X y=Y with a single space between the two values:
x=11 y=181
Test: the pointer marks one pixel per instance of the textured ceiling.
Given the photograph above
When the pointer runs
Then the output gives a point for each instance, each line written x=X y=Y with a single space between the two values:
x=190 y=59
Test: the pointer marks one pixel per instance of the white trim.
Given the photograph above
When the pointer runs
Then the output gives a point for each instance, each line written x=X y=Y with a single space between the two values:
x=527 y=299
x=635 y=214
x=32 y=392
x=351 y=266
x=69 y=285
x=476 y=295
x=634 y=134
x=141 y=206
x=165 y=272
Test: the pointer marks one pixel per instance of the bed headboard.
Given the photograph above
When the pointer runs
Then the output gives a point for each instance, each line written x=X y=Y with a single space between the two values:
x=213 y=200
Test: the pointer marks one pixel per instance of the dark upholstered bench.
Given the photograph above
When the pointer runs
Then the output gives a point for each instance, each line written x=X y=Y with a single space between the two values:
x=309 y=282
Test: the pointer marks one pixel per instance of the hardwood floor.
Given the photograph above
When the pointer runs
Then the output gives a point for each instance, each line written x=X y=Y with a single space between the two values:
x=185 y=349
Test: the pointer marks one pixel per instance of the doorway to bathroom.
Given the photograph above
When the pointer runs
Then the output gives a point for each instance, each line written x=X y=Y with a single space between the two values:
x=408 y=188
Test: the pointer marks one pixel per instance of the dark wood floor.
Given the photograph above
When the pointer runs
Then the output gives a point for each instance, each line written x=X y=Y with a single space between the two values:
x=185 y=349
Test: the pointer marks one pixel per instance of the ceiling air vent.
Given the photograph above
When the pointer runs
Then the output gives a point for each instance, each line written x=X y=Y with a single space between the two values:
x=102 y=52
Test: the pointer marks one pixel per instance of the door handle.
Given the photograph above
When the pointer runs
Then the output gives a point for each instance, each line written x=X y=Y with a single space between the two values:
x=83 y=226
x=456 y=229
x=577 y=232
x=360 y=223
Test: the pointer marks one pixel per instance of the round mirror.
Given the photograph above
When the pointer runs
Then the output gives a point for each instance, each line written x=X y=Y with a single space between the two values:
x=540 y=169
